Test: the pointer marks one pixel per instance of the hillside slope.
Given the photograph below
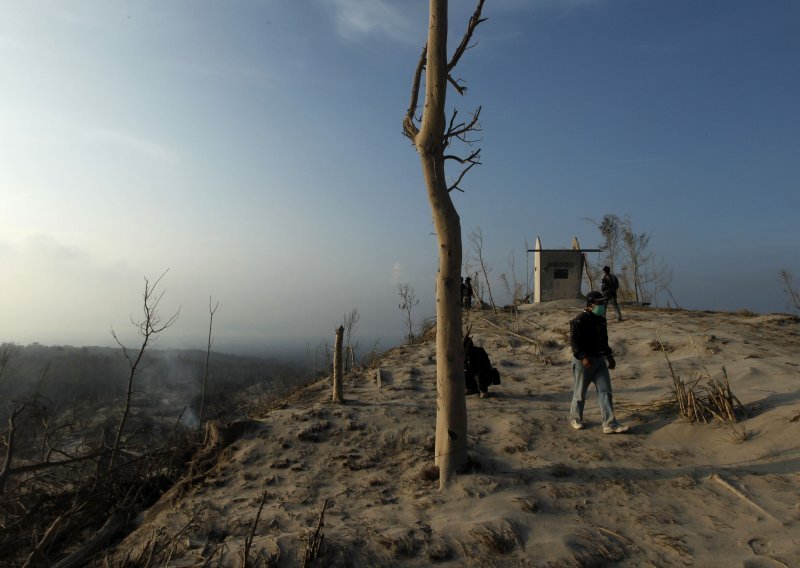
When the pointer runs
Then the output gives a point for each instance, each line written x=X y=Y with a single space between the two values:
x=668 y=493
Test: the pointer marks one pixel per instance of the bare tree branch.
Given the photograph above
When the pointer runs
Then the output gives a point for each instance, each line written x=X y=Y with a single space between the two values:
x=787 y=279
x=409 y=128
x=151 y=324
x=211 y=312
x=458 y=131
x=461 y=89
x=472 y=160
x=473 y=23
x=6 y=470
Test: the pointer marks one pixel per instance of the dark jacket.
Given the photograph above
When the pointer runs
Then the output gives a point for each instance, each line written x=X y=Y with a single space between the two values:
x=609 y=285
x=588 y=335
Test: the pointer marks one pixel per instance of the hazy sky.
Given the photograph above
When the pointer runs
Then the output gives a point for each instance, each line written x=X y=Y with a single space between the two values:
x=254 y=149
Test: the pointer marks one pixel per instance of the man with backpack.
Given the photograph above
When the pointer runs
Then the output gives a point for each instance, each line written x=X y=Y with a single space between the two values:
x=609 y=285
x=592 y=359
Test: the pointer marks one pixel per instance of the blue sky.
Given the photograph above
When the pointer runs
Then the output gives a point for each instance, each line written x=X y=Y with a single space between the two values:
x=254 y=149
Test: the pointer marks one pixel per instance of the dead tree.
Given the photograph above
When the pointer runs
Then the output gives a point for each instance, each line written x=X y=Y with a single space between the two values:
x=211 y=312
x=636 y=248
x=432 y=135
x=5 y=356
x=350 y=322
x=338 y=366
x=786 y=278
x=151 y=324
x=476 y=238
x=409 y=299
x=9 y=439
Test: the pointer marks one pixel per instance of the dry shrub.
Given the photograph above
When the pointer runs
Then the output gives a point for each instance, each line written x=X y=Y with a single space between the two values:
x=701 y=399
x=597 y=547
x=358 y=463
x=427 y=331
x=311 y=432
x=429 y=473
x=401 y=440
x=528 y=504
x=400 y=542
x=657 y=345
x=375 y=481
x=438 y=550
x=500 y=537
x=739 y=435
x=705 y=399
x=353 y=425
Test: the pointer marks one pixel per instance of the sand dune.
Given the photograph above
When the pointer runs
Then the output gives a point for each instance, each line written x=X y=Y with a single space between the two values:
x=668 y=493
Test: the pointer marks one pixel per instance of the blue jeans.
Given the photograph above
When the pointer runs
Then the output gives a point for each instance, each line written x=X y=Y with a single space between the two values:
x=613 y=300
x=598 y=374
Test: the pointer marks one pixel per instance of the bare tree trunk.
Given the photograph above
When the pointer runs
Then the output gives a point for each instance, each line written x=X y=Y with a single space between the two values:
x=110 y=529
x=337 y=366
x=430 y=140
x=476 y=237
x=787 y=279
x=200 y=417
x=9 y=439
x=451 y=415
x=149 y=326
x=409 y=297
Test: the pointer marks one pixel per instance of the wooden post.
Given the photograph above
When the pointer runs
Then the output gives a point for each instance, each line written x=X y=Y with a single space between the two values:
x=337 y=366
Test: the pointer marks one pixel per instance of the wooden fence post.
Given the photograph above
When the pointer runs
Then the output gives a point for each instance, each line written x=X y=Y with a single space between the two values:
x=337 y=366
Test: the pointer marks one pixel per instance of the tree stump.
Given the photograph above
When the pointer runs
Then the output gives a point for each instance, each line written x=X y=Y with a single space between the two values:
x=338 y=397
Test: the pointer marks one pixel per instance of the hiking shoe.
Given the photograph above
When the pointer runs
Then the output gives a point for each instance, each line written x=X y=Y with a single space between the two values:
x=575 y=423
x=484 y=394
x=615 y=429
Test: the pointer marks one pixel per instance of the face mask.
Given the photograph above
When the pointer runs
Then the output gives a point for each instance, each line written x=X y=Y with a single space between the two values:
x=599 y=311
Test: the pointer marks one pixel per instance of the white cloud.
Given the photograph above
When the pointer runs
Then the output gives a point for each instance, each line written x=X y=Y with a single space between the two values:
x=358 y=18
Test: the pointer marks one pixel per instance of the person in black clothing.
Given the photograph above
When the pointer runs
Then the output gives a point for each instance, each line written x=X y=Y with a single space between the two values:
x=469 y=293
x=478 y=371
x=592 y=360
x=609 y=284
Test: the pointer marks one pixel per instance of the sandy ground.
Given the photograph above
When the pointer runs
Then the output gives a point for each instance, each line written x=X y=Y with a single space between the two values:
x=668 y=493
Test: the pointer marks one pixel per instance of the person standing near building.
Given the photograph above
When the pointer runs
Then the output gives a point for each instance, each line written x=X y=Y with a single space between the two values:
x=592 y=360
x=468 y=297
x=609 y=284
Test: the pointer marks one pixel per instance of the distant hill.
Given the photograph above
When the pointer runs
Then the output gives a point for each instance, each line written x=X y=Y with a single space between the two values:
x=65 y=374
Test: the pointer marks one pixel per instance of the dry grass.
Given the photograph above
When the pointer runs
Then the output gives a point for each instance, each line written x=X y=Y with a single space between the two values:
x=429 y=473
x=657 y=345
x=438 y=550
x=528 y=504
x=702 y=399
x=399 y=542
x=500 y=537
